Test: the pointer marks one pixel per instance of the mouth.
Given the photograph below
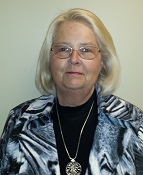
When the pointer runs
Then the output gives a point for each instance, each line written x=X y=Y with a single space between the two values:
x=74 y=73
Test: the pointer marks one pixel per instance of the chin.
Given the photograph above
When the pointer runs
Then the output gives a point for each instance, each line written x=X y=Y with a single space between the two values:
x=75 y=87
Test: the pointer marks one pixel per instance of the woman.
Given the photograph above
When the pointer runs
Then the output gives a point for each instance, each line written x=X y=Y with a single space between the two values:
x=77 y=126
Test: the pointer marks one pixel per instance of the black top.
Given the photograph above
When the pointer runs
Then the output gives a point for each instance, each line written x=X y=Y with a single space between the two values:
x=72 y=119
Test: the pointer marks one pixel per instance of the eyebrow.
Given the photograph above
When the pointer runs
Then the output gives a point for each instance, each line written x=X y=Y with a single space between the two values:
x=81 y=44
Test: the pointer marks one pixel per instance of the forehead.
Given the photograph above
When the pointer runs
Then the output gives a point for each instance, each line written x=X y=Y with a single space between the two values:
x=74 y=31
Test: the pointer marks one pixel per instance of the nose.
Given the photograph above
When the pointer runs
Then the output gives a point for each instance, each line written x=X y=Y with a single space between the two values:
x=75 y=58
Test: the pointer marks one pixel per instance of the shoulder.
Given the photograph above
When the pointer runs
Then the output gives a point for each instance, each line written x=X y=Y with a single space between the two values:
x=22 y=119
x=122 y=112
x=30 y=110
x=31 y=107
x=35 y=104
x=119 y=108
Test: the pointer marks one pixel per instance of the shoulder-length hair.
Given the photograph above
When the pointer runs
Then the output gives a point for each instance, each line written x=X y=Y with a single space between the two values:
x=109 y=75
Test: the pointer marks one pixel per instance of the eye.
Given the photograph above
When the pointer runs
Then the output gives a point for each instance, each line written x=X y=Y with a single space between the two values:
x=86 y=49
x=63 y=49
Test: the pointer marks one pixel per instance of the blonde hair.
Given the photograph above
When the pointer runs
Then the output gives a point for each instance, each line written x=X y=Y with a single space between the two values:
x=109 y=75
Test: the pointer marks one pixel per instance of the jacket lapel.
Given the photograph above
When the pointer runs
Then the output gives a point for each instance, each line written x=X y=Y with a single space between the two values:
x=112 y=147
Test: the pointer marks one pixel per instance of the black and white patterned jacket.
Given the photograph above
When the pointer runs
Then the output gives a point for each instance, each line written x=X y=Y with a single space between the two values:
x=28 y=145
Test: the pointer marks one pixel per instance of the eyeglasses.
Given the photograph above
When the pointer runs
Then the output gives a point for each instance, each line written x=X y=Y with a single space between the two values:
x=86 y=52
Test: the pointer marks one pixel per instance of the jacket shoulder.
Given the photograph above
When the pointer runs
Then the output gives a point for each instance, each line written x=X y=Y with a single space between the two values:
x=120 y=108
x=127 y=114
x=27 y=111
x=34 y=104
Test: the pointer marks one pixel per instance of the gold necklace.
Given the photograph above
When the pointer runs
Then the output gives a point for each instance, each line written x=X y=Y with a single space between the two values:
x=73 y=167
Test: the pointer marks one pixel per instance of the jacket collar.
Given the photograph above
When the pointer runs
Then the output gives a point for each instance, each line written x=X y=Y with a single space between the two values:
x=108 y=104
x=117 y=107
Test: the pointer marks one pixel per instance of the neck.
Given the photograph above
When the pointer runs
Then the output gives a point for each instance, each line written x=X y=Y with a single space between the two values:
x=74 y=97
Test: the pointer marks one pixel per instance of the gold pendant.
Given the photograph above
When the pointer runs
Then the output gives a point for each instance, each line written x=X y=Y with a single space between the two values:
x=73 y=168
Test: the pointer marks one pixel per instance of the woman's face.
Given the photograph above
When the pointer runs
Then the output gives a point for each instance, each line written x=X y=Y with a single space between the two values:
x=75 y=73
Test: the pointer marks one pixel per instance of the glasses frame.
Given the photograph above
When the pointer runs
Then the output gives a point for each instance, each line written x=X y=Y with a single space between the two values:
x=78 y=51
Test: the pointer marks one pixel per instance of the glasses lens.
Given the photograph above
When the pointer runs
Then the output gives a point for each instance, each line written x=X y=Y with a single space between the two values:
x=88 y=52
x=62 y=51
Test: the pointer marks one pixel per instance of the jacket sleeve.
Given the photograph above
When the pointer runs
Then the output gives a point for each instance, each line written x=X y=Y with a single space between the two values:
x=4 y=159
x=8 y=142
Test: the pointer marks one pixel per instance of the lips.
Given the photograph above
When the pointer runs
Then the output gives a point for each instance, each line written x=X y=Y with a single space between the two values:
x=74 y=73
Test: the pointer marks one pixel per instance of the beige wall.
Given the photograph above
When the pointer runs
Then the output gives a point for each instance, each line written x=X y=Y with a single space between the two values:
x=23 y=24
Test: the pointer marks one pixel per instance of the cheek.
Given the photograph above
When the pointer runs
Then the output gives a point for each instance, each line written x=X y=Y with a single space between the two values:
x=53 y=68
x=99 y=67
x=53 y=64
x=94 y=71
x=96 y=68
x=56 y=67
x=96 y=65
